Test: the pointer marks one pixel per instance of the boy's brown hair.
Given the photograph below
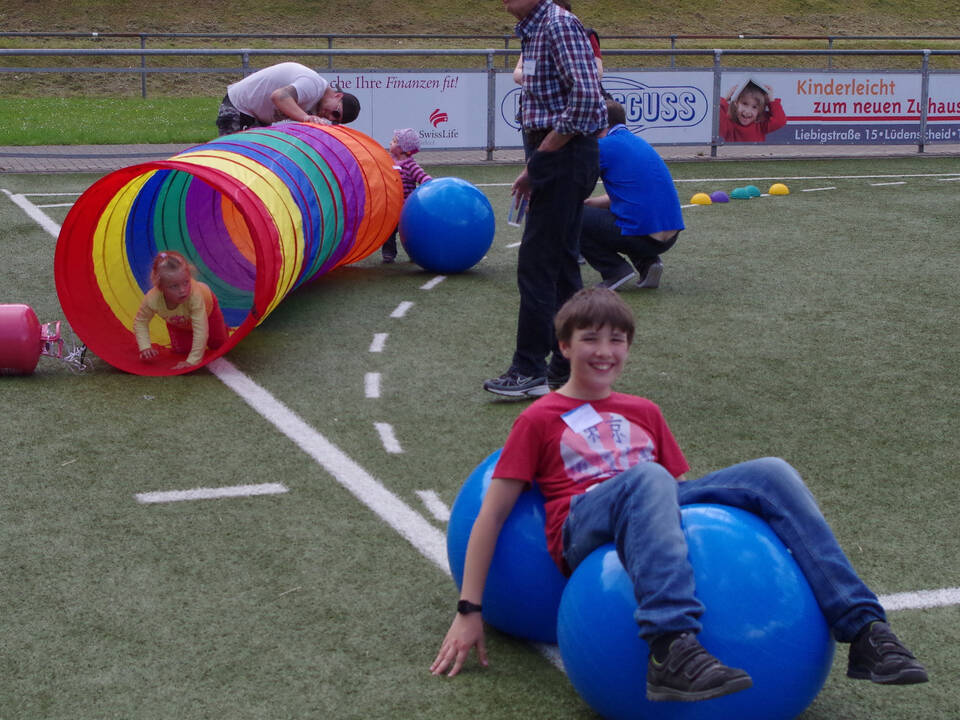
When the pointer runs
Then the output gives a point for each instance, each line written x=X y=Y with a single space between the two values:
x=594 y=307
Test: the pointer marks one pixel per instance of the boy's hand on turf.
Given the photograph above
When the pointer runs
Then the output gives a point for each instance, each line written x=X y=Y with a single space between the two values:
x=465 y=633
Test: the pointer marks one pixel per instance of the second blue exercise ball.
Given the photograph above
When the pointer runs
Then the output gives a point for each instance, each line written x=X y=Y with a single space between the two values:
x=760 y=616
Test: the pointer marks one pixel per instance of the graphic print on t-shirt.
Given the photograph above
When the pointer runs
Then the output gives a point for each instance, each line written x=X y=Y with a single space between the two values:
x=605 y=449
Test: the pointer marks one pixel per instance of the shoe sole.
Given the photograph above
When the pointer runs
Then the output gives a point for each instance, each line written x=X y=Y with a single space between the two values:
x=534 y=392
x=664 y=694
x=651 y=281
x=622 y=281
x=912 y=676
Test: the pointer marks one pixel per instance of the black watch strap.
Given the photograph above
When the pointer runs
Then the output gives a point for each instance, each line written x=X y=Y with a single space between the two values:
x=465 y=607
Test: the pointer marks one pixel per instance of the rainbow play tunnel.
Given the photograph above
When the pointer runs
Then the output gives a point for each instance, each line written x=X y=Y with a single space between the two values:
x=258 y=213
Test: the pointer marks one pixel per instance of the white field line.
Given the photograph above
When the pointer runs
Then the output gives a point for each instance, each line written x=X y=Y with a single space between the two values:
x=900 y=182
x=921 y=599
x=780 y=178
x=168 y=496
x=371 y=385
x=378 y=342
x=437 y=507
x=412 y=526
x=35 y=213
x=52 y=194
x=401 y=309
x=949 y=179
x=832 y=187
x=513 y=245
x=53 y=205
x=430 y=285
x=388 y=438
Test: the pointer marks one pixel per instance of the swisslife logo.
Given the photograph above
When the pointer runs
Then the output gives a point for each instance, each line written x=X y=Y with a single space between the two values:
x=437 y=118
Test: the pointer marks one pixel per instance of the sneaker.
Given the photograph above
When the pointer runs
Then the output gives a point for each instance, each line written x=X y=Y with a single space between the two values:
x=690 y=673
x=651 y=279
x=614 y=282
x=878 y=655
x=513 y=384
x=556 y=380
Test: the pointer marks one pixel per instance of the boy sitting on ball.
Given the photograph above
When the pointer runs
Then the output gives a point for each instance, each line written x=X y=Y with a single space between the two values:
x=609 y=468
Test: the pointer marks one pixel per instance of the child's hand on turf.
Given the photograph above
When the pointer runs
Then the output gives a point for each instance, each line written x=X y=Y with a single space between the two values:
x=465 y=633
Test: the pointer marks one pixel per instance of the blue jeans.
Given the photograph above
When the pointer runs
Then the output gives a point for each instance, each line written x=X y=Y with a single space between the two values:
x=547 y=269
x=639 y=511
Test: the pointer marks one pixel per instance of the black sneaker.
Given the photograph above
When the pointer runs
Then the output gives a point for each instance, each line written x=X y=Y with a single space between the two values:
x=690 y=673
x=650 y=278
x=878 y=655
x=513 y=384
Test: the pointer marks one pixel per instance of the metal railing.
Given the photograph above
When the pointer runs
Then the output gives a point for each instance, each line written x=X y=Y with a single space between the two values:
x=488 y=56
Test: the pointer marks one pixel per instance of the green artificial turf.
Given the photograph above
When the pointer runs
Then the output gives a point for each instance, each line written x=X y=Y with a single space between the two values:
x=818 y=326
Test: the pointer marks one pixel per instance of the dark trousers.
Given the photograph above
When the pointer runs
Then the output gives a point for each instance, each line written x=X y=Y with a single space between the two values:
x=603 y=245
x=547 y=269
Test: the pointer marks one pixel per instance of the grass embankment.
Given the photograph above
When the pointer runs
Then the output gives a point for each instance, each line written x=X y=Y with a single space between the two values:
x=83 y=106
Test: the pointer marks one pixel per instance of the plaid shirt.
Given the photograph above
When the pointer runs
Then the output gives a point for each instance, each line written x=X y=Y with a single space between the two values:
x=563 y=90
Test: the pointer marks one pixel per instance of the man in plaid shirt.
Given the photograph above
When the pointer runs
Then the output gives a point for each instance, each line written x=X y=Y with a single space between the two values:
x=562 y=110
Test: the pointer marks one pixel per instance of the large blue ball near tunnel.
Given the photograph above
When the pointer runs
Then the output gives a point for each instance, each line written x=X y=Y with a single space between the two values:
x=447 y=225
x=522 y=593
x=760 y=616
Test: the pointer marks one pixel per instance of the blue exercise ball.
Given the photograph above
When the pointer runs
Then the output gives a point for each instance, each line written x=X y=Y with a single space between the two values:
x=524 y=585
x=447 y=225
x=760 y=616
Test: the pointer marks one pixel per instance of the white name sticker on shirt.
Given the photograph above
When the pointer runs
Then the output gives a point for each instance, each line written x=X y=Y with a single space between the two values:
x=530 y=66
x=582 y=418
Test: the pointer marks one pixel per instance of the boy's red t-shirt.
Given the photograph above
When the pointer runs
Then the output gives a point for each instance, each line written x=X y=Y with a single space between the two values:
x=556 y=443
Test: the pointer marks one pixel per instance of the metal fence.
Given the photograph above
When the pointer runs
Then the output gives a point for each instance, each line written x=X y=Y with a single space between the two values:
x=489 y=60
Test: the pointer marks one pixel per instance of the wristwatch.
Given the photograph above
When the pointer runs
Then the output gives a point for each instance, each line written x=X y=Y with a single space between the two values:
x=465 y=607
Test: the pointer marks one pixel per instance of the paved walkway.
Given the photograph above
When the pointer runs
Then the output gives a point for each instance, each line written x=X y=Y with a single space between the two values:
x=106 y=158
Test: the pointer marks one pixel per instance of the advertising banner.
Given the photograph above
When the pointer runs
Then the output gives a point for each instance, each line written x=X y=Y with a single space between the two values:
x=449 y=110
x=836 y=108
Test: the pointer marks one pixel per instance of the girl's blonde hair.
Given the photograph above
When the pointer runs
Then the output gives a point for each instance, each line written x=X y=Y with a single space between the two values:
x=168 y=262
x=751 y=89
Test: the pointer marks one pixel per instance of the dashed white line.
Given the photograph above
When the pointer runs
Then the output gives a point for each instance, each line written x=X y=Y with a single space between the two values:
x=378 y=342
x=388 y=438
x=832 y=187
x=168 y=496
x=437 y=507
x=901 y=182
x=430 y=285
x=371 y=385
x=411 y=525
x=401 y=309
x=513 y=245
